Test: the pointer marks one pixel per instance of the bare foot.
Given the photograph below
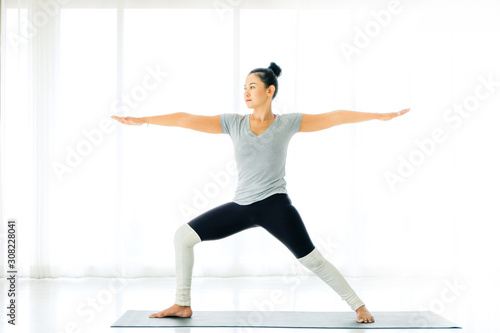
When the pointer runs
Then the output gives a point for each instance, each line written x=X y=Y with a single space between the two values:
x=364 y=316
x=174 y=311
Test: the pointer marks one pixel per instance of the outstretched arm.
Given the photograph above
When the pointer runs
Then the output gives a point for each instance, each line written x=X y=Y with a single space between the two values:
x=318 y=122
x=207 y=124
x=173 y=119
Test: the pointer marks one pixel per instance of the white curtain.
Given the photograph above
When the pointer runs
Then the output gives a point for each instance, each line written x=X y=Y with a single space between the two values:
x=412 y=197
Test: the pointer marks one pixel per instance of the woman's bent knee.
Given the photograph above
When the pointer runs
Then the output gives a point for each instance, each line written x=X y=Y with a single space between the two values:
x=314 y=260
x=186 y=236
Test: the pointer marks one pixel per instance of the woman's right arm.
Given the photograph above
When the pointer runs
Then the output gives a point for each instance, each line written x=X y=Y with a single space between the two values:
x=206 y=124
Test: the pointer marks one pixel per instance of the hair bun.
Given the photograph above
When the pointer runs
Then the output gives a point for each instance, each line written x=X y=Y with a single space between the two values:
x=275 y=68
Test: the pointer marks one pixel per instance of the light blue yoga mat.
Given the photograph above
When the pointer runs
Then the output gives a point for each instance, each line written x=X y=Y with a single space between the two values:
x=287 y=319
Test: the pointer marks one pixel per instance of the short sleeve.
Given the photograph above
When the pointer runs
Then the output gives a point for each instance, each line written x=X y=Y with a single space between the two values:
x=225 y=122
x=295 y=120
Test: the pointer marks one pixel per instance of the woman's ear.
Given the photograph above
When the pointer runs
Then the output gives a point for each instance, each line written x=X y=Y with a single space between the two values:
x=270 y=90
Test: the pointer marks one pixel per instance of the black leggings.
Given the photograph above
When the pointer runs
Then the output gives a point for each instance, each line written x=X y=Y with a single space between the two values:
x=275 y=213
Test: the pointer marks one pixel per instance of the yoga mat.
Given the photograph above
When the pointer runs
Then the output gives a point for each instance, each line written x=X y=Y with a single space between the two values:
x=287 y=319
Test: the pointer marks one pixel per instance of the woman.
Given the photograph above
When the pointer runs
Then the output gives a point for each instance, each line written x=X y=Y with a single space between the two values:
x=260 y=145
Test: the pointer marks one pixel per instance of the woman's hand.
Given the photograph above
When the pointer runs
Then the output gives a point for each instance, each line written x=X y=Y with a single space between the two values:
x=129 y=120
x=389 y=116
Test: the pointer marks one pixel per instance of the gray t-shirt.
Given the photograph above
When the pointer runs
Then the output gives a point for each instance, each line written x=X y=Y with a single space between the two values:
x=260 y=159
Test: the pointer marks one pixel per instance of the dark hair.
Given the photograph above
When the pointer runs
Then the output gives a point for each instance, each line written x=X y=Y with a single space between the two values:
x=269 y=76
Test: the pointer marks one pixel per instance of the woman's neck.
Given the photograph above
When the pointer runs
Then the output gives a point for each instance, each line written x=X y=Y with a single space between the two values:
x=262 y=114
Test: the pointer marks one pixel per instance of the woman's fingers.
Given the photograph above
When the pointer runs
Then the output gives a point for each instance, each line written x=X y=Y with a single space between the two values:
x=389 y=116
x=127 y=120
x=402 y=112
x=120 y=119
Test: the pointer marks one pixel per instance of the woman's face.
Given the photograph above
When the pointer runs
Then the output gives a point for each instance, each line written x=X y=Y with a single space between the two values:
x=255 y=92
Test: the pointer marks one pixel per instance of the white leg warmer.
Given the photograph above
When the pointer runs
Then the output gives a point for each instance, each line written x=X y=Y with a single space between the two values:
x=315 y=262
x=184 y=241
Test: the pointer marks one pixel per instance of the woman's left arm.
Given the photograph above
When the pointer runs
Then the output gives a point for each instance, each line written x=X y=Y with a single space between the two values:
x=318 y=122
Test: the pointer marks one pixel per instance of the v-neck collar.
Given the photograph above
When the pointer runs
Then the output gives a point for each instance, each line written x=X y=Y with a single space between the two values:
x=252 y=134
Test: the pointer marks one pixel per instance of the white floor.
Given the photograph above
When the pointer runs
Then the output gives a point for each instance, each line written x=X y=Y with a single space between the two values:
x=94 y=304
